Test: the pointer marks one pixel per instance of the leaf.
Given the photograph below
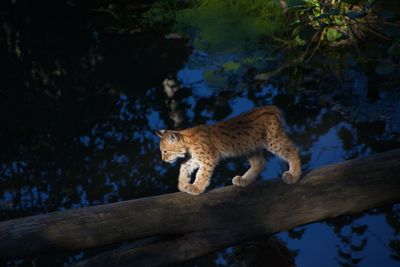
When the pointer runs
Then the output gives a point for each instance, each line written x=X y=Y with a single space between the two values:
x=332 y=35
x=262 y=76
x=298 y=41
x=322 y=16
x=384 y=69
x=355 y=15
x=231 y=66
x=295 y=3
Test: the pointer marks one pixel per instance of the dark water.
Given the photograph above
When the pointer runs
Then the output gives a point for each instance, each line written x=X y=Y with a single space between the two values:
x=78 y=105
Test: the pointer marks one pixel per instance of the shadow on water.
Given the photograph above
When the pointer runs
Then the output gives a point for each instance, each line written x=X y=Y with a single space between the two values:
x=78 y=106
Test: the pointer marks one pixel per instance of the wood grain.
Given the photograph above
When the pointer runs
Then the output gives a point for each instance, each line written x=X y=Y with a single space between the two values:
x=214 y=220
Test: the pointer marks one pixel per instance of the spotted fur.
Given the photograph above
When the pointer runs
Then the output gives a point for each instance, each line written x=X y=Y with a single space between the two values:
x=245 y=135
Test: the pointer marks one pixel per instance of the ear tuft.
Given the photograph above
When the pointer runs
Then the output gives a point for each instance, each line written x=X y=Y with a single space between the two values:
x=174 y=136
x=159 y=133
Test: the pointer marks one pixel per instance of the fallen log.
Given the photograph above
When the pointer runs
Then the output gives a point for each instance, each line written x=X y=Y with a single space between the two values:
x=211 y=221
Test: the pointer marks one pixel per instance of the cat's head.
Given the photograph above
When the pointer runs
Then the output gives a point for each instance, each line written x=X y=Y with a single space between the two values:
x=171 y=145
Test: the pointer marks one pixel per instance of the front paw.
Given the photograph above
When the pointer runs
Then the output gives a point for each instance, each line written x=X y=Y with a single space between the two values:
x=192 y=189
x=181 y=186
x=288 y=178
x=239 y=181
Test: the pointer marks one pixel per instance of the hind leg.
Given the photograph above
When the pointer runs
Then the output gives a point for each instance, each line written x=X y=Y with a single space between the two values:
x=284 y=148
x=257 y=163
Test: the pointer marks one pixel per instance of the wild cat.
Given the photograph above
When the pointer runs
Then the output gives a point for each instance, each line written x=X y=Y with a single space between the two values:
x=245 y=135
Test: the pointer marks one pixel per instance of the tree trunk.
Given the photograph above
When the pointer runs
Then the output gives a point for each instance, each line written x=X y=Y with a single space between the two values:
x=208 y=222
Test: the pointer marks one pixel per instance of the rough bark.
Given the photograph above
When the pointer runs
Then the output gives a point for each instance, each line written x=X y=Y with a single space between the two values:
x=216 y=219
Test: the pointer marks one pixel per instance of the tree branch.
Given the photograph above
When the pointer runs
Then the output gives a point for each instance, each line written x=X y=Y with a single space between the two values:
x=211 y=221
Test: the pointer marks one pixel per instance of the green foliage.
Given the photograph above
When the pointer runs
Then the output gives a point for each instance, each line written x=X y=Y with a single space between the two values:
x=231 y=66
x=214 y=79
x=230 y=25
x=331 y=19
x=304 y=35
x=332 y=35
x=161 y=12
x=295 y=3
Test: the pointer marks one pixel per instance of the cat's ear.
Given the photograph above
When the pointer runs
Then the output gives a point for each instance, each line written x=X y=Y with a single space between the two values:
x=174 y=136
x=159 y=133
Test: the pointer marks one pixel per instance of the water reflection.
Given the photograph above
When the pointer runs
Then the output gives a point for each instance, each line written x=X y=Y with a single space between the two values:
x=78 y=107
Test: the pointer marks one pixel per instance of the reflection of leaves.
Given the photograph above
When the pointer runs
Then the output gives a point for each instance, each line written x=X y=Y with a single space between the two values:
x=221 y=112
x=344 y=255
x=231 y=66
x=395 y=246
x=347 y=137
x=349 y=261
x=384 y=69
x=393 y=218
x=359 y=247
x=356 y=261
x=359 y=230
x=346 y=240
x=254 y=60
x=214 y=79
x=296 y=234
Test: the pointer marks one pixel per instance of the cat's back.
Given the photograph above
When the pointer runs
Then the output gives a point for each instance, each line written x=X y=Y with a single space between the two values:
x=250 y=120
x=246 y=132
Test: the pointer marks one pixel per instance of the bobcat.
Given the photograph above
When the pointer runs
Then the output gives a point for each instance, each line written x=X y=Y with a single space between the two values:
x=245 y=135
